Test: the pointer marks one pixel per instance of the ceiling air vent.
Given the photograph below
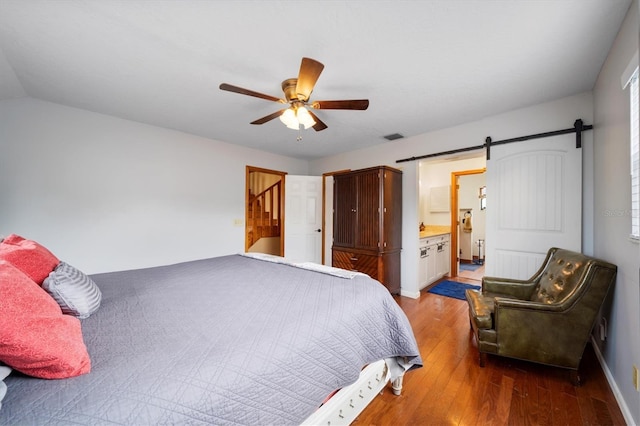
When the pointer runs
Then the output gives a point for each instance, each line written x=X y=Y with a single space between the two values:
x=393 y=136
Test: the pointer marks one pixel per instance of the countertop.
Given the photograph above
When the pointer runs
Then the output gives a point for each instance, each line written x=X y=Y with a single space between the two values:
x=433 y=230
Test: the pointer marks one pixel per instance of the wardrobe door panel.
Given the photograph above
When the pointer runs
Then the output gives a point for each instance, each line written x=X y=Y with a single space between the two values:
x=392 y=211
x=344 y=207
x=368 y=217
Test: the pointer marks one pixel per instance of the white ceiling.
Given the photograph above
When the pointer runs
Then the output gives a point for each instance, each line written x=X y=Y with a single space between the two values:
x=424 y=65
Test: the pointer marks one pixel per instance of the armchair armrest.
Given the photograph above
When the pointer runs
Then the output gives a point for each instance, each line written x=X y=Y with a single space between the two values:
x=527 y=305
x=519 y=289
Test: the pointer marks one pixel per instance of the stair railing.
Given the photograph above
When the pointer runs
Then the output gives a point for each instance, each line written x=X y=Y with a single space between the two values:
x=265 y=222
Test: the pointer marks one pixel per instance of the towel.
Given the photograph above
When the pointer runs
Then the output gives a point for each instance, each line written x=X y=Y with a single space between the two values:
x=466 y=223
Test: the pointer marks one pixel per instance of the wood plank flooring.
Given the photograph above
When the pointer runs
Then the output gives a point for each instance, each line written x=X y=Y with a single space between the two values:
x=452 y=389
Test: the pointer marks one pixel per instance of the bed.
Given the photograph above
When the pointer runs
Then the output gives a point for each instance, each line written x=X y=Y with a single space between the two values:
x=236 y=339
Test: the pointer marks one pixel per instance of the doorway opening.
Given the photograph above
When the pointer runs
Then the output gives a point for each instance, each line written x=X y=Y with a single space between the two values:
x=264 y=211
x=468 y=209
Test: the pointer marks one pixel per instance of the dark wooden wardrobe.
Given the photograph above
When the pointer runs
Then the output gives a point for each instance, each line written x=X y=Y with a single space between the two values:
x=367 y=223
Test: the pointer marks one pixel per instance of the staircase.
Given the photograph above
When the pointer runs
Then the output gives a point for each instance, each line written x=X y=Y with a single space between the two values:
x=263 y=214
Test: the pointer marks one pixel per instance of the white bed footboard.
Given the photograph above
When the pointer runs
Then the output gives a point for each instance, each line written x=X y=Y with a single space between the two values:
x=350 y=401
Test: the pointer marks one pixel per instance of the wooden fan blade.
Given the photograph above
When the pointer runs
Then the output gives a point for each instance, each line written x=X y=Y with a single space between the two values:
x=310 y=70
x=268 y=117
x=319 y=124
x=359 y=104
x=236 y=89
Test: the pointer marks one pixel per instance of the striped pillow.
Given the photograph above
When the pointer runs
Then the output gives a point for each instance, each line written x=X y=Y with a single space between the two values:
x=75 y=292
x=4 y=372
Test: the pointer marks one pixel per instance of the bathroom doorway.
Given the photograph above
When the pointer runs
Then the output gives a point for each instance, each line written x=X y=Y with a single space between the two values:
x=468 y=219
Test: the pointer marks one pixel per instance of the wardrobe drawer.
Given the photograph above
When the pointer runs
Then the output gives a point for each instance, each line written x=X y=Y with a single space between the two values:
x=365 y=263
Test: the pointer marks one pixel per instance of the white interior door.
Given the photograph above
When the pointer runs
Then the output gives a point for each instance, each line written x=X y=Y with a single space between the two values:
x=534 y=202
x=303 y=218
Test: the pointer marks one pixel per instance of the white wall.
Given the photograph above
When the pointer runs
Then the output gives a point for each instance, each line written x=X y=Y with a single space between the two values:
x=611 y=207
x=559 y=114
x=437 y=173
x=108 y=194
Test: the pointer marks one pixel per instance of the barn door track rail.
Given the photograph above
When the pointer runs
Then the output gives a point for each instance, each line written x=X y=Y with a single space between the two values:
x=578 y=128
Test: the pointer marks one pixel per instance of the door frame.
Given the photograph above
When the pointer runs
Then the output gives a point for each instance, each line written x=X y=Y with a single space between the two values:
x=454 y=214
x=248 y=171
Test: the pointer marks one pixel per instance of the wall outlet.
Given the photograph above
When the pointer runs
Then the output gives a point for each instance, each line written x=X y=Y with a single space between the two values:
x=603 y=329
x=636 y=385
x=238 y=222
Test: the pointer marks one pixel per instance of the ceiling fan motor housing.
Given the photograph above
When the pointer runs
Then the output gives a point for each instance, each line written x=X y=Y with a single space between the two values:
x=289 y=89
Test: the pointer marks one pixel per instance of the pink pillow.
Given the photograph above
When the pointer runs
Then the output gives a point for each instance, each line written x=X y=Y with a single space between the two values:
x=30 y=257
x=35 y=337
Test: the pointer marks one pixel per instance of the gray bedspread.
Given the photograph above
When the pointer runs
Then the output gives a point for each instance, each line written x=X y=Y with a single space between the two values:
x=227 y=340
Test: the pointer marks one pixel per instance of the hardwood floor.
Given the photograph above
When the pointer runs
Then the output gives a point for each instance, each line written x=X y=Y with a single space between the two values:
x=452 y=389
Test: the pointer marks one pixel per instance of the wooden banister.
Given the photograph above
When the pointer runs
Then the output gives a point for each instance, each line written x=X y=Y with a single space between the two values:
x=265 y=222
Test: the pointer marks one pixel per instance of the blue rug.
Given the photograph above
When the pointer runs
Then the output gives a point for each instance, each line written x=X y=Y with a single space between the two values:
x=452 y=289
x=469 y=266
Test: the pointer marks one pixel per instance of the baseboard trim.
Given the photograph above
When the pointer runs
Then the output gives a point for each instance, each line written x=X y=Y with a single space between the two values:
x=628 y=418
x=411 y=294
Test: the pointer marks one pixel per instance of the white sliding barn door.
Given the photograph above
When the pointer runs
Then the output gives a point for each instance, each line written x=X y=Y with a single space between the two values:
x=534 y=202
x=303 y=218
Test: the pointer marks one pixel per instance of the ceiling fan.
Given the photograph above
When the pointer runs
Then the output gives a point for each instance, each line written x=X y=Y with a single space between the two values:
x=297 y=92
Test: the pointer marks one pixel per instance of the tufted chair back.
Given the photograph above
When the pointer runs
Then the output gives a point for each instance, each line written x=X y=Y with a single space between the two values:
x=559 y=280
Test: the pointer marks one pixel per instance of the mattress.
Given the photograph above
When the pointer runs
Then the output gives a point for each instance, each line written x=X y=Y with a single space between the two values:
x=227 y=340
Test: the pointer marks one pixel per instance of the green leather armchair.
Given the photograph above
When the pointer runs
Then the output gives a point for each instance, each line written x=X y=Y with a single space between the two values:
x=546 y=319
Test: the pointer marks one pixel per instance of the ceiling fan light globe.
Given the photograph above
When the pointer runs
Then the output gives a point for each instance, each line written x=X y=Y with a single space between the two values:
x=289 y=119
x=305 y=118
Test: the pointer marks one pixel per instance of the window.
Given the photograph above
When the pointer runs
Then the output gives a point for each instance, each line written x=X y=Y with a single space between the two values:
x=635 y=158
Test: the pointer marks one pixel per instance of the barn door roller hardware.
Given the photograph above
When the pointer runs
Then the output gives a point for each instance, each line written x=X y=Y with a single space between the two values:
x=578 y=128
